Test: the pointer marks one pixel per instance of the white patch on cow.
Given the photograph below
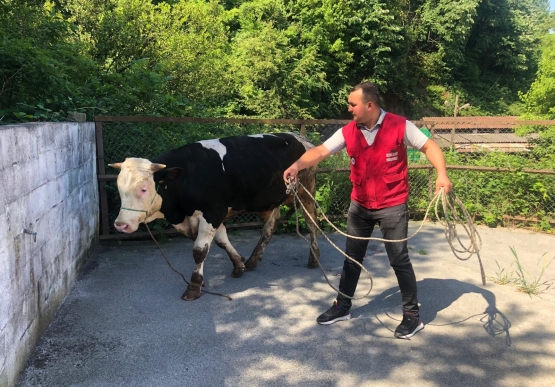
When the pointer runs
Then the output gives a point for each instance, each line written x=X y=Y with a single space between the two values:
x=205 y=233
x=217 y=146
x=200 y=268
x=223 y=240
x=261 y=135
x=156 y=215
x=189 y=226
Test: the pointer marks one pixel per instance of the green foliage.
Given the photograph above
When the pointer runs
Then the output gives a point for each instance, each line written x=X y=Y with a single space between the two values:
x=40 y=63
x=502 y=276
x=374 y=52
x=276 y=76
x=490 y=195
x=539 y=102
x=540 y=99
x=526 y=282
x=269 y=58
x=289 y=220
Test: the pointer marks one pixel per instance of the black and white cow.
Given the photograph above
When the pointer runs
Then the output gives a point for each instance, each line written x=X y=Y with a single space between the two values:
x=198 y=186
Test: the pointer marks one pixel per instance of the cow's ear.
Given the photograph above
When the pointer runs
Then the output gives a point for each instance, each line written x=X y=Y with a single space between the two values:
x=156 y=167
x=171 y=174
x=116 y=165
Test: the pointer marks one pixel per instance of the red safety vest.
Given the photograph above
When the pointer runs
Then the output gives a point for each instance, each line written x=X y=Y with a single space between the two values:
x=379 y=172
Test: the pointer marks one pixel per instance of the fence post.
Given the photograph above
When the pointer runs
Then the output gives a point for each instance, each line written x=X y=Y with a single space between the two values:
x=431 y=186
x=302 y=130
x=101 y=170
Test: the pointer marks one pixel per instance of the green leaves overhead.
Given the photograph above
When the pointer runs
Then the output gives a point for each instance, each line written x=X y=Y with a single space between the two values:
x=445 y=27
x=540 y=99
x=267 y=58
x=275 y=75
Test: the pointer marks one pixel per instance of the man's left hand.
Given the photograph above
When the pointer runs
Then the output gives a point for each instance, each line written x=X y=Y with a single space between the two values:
x=443 y=181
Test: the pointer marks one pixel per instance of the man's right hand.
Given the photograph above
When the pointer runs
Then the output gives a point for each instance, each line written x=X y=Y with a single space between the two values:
x=291 y=173
x=309 y=158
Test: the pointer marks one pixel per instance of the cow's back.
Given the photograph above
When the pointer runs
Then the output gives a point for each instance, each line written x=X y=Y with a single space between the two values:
x=254 y=168
x=239 y=172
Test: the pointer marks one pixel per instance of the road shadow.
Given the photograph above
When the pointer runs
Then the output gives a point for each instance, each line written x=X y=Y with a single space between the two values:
x=124 y=324
x=436 y=295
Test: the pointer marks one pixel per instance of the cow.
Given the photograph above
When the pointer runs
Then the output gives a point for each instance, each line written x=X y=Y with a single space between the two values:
x=198 y=186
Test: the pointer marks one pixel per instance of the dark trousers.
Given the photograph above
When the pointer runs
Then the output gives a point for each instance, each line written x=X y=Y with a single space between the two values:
x=393 y=222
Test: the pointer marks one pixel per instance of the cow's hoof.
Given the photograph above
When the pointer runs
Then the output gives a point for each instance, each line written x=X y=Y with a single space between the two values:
x=251 y=264
x=237 y=272
x=313 y=264
x=192 y=293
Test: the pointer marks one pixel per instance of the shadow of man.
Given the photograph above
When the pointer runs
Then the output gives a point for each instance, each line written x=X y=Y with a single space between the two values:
x=438 y=294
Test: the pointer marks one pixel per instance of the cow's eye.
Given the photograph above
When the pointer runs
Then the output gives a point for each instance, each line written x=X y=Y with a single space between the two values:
x=143 y=190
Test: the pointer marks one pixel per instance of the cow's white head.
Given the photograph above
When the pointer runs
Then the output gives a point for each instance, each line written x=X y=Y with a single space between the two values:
x=137 y=190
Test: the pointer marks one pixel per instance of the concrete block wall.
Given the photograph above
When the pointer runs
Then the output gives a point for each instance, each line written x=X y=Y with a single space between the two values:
x=48 y=186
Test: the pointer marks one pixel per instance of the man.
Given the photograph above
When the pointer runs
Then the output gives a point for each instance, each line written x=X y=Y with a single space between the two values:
x=376 y=142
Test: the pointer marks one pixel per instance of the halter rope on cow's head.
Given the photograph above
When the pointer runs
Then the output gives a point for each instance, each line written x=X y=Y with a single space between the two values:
x=138 y=193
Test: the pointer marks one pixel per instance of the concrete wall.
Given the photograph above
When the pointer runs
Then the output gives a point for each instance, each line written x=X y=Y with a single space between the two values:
x=48 y=186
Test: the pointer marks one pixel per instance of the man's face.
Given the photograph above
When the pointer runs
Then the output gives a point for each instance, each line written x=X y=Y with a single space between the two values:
x=360 y=110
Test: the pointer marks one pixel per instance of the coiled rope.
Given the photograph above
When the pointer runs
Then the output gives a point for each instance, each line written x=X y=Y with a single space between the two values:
x=451 y=206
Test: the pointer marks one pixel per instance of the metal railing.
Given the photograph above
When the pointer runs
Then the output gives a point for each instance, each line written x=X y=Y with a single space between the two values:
x=477 y=153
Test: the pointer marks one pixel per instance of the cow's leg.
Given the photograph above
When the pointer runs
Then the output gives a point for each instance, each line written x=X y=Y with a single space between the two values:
x=201 y=247
x=310 y=206
x=308 y=179
x=270 y=219
x=223 y=242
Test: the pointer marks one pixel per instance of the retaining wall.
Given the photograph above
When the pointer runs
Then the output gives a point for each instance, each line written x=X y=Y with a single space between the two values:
x=48 y=186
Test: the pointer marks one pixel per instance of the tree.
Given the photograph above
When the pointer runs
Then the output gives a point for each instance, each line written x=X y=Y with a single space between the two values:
x=155 y=58
x=355 y=40
x=540 y=99
x=540 y=103
x=276 y=77
x=41 y=64
x=265 y=58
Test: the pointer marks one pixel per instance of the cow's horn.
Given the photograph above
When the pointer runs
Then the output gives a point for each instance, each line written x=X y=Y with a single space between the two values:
x=116 y=165
x=156 y=167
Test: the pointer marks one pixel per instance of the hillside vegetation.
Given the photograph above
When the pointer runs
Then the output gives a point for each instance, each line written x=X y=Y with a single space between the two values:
x=272 y=58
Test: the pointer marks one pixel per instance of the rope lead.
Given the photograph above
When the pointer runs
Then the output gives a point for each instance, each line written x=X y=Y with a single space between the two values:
x=450 y=203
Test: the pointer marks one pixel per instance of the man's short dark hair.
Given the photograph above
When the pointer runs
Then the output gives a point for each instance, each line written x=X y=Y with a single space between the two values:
x=370 y=92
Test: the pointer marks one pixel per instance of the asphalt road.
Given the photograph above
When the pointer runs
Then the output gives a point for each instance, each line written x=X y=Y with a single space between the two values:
x=124 y=324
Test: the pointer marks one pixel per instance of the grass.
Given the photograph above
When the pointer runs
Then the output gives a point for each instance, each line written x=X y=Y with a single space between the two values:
x=502 y=277
x=420 y=251
x=523 y=280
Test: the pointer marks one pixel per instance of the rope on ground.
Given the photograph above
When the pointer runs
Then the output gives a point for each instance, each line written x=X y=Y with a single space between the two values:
x=177 y=271
x=451 y=206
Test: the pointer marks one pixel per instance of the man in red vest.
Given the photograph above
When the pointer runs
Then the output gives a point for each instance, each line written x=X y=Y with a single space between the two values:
x=376 y=143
